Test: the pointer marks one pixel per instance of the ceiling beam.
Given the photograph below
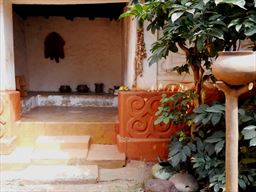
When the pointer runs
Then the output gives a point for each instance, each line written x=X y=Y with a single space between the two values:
x=66 y=2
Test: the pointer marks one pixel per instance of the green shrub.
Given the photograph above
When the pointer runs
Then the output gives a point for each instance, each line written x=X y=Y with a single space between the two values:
x=203 y=154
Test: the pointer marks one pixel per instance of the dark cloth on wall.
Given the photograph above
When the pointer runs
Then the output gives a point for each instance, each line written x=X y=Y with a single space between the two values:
x=54 y=46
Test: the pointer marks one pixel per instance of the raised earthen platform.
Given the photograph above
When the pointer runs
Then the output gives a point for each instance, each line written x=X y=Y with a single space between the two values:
x=55 y=99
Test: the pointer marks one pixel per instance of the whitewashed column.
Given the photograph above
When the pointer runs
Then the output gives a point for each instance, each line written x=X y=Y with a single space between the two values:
x=7 y=73
x=130 y=36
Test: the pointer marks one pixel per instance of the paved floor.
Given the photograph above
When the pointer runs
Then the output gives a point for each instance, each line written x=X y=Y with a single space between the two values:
x=128 y=179
x=71 y=114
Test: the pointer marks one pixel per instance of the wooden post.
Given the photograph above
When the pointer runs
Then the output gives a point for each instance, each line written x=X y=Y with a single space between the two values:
x=232 y=133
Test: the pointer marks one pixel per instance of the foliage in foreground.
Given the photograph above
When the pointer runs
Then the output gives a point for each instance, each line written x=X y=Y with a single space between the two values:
x=203 y=154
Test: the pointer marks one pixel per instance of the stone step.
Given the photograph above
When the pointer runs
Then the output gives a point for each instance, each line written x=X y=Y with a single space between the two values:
x=7 y=145
x=114 y=186
x=63 y=142
x=59 y=156
x=76 y=178
x=18 y=159
x=52 y=174
x=105 y=156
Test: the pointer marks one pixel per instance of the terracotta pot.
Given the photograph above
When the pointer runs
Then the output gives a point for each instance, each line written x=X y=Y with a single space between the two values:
x=235 y=67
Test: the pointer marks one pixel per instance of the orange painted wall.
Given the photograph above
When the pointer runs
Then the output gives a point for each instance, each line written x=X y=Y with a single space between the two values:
x=137 y=135
x=10 y=110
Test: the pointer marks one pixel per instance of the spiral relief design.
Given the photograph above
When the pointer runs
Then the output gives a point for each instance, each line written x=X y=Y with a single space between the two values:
x=138 y=127
x=136 y=105
x=141 y=119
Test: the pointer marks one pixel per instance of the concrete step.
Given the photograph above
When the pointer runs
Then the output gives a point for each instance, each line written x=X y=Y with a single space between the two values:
x=52 y=174
x=59 y=156
x=7 y=145
x=100 y=132
x=18 y=159
x=105 y=156
x=63 y=142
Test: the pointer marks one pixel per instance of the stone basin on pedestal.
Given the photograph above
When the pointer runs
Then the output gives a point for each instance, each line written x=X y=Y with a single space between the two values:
x=235 y=70
x=235 y=67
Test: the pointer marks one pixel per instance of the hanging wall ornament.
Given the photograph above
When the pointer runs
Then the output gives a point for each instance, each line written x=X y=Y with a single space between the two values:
x=140 y=55
x=54 y=46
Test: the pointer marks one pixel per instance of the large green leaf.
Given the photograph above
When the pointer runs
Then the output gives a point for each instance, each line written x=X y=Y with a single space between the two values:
x=250 y=31
x=187 y=150
x=240 y=3
x=215 y=137
x=216 y=117
x=253 y=142
x=207 y=119
x=219 y=146
x=242 y=184
x=200 y=42
x=176 y=15
x=198 y=118
x=216 y=109
x=249 y=132
x=201 y=108
x=176 y=159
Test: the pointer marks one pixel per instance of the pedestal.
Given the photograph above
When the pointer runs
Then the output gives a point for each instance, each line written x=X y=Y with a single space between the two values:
x=232 y=134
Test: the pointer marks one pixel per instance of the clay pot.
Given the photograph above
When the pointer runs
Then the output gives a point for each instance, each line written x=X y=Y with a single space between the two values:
x=235 y=67
x=99 y=87
x=65 y=89
x=82 y=88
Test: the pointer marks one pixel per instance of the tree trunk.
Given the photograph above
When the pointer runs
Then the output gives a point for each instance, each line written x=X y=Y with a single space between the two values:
x=198 y=82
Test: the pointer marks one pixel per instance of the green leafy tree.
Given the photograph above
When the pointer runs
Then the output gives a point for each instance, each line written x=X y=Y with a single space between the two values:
x=200 y=28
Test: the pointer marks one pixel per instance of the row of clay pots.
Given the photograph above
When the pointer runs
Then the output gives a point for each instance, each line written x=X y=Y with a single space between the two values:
x=82 y=88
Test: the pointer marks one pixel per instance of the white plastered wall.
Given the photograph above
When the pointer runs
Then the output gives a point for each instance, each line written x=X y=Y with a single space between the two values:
x=149 y=77
x=165 y=73
x=152 y=76
x=7 y=71
x=158 y=73
x=92 y=53
x=20 y=48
